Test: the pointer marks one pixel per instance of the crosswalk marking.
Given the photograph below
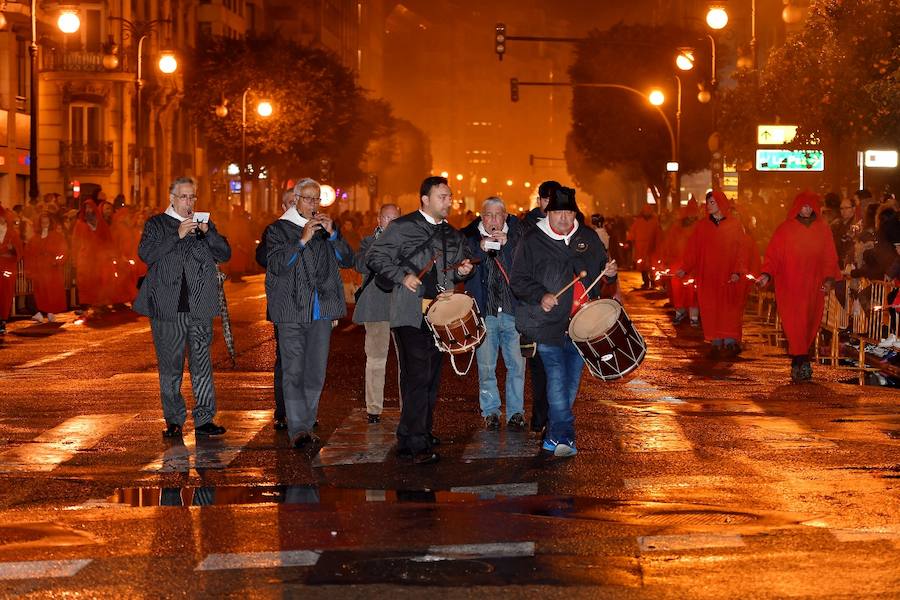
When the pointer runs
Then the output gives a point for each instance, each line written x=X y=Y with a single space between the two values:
x=780 y=433
x=259 y=560
x=500 y=444
x=212 y=453
x=105 y=341
x=40 y=569
x=477 y=551
x=865 y=535
x=487 y=492
x=55 y=446
x=691 y=541
x=357 y=441
x=653 y=431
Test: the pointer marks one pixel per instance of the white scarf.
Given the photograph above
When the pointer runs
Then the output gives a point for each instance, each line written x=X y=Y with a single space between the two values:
x=430 y=219
x=544 y=225
x=2 y=229
x=294 y=217
x=484 y=232
x=171 y=212
x=45 y=233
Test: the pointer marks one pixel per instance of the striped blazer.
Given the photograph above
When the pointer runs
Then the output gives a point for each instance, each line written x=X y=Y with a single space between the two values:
x=167 y=257
x=295 y=274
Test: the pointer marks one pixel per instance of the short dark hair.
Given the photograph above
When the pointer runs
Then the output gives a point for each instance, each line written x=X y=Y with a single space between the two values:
x=863 y=194
x=547 y=188
x=429 y=182
x=832 y=200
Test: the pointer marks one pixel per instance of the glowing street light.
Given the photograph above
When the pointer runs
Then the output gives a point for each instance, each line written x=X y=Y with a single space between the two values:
x=445 y=174
x=717 y=17
x=68 y=21
x=685 y=59
x=484 y=180
x=656 y=97
x=509 y=182
x=527 y=184
x=264 y=108
x=167 y=64
x=459 y=176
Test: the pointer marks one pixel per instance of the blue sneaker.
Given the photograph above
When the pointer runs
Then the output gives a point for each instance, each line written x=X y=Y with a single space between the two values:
x=565 y=449
x=549 y=445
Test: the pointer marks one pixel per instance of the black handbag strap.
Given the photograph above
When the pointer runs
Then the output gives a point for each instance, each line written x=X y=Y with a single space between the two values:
x=404 y=260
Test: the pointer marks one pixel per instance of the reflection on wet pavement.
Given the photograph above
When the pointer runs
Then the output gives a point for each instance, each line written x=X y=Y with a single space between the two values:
x=357 y=441
x=501 y=444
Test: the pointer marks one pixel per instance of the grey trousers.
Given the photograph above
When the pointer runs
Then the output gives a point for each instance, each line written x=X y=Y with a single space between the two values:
x=378 y=343
x=304 y=359
x=169 y=339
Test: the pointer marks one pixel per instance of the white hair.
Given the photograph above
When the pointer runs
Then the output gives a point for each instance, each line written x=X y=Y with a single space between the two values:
x=493 y=201
x=305 y=183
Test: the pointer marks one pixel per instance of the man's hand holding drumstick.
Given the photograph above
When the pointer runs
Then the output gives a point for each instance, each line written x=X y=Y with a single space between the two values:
x=548 y=300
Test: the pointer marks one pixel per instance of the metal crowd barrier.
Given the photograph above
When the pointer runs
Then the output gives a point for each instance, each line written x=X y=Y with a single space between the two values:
x=25 y=288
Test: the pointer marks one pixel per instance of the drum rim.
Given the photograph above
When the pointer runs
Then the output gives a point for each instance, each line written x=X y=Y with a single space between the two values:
x=434 y=303
x=619 y=308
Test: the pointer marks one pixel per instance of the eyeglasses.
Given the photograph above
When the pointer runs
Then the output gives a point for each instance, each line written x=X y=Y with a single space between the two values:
x=308 y=199
x=186 y=196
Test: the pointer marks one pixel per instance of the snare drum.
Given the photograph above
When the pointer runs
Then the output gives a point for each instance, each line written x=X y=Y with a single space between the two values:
x=455 y=323
x=607 y=340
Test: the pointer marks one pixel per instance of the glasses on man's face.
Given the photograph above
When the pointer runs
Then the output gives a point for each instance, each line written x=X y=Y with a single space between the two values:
x=307 y=199
x=186 y=197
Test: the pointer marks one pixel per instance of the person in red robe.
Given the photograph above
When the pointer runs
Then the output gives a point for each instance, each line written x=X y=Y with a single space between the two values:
x=644 y=235
x=682 y=295
x=802 y=261
x=45 y=257
x=92 y=247
x=716 y=257
x=126 y=237
x=10 y=253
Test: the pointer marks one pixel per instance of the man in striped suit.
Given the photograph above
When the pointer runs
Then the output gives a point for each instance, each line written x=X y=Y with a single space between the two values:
x=180 y=295
x=304 y=294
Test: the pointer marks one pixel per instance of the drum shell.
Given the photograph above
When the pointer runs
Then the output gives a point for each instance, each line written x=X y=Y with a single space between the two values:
x=461 y=334
x=614 y=353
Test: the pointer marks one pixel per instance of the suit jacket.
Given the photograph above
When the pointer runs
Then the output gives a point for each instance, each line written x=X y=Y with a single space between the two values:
x=374 y=304
x=295 y=274
x=404 y=235
x=167 y=257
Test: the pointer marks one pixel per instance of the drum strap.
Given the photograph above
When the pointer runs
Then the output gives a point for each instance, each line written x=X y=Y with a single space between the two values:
x=468 y=367
x=502 y=270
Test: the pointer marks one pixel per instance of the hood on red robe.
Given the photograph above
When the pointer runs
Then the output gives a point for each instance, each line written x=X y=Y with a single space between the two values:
x=803 y=198
x=723 y=202
x=689 y=210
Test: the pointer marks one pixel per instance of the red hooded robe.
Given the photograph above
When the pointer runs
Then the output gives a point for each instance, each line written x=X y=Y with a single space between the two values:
x=10 y=253
x=45 y=259
x=713 y=253
x=644 y=235
x=94 y=254
x=682 y=295
x=799 y=259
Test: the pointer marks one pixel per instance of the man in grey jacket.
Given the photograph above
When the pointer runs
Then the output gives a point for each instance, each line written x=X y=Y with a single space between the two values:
x=180 y=295
x=305 y=294
x=417 y=242
x=373 y=310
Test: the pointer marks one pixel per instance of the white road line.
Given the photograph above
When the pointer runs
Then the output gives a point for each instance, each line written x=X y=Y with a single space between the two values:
x=259 y=560
x=501 y=489
x=477 y=551
x=212 y=453
x=55 y=446
x=357 y=441
x=865 y=535
x=780 y=433
x=692 y=541
x=107 y=341
x=41 y=569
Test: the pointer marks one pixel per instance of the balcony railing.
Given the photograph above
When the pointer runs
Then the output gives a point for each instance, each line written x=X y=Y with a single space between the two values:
x=97 y=156
x=55 y=59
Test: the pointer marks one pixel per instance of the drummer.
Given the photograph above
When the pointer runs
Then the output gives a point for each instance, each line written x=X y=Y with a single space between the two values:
x=549 y=257
x=416 y=242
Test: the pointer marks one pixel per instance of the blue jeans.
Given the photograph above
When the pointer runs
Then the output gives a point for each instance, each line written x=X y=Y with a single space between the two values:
x=563 y=365
x=501 y=335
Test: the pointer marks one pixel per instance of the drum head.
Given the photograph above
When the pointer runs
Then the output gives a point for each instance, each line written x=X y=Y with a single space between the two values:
x=594 y=319
x=444 y=312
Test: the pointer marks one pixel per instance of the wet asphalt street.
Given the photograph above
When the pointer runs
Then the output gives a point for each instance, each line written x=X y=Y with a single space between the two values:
x=694 y=479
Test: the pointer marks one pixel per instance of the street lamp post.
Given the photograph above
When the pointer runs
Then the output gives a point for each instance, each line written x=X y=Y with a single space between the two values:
x=167 y=65
x=263 y=109
x=68 y=23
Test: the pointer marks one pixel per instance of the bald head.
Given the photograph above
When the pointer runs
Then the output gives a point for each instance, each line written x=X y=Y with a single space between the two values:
x=388 y=213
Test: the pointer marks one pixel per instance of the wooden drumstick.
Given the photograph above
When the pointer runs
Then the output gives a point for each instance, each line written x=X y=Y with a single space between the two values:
x=429 y=264
x=596 y=281
x=570 y=284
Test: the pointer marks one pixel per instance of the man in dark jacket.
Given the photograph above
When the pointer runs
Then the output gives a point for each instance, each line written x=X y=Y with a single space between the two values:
x=262 y=258
x=373 y=310
x=493 y=241
x=539 y=407
x=180 y=295
x=305 y=294
x=548 y=257
x=413 y=242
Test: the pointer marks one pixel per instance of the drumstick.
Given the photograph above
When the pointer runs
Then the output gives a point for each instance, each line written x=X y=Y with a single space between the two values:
x=599 y=277
x=474 y=261
x=570 y=284
x=429 y=264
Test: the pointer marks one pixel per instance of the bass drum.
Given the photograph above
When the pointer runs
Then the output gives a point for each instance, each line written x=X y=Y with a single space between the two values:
x=607 y=340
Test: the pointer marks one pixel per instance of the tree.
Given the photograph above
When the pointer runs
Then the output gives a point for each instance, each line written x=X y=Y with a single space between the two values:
x=837 y=80
x=615 y=129
x=320 y=112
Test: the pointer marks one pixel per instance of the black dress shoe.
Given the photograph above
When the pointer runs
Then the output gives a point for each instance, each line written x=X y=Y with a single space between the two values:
x=428 y=457
x=434 y=440
x=280 y=424
x=404 y=453
x=306 y=440
x=373 y=418
x=209 y=430
x=172 y=430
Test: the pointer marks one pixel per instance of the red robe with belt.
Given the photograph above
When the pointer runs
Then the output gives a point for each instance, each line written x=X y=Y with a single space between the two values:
x=10 y=253
x=799 y=259
x=45 y=264
x=713 y=253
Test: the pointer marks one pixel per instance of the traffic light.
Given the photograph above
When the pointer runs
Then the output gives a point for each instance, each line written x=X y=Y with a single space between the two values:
x=514 y=89
x=500 y=40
